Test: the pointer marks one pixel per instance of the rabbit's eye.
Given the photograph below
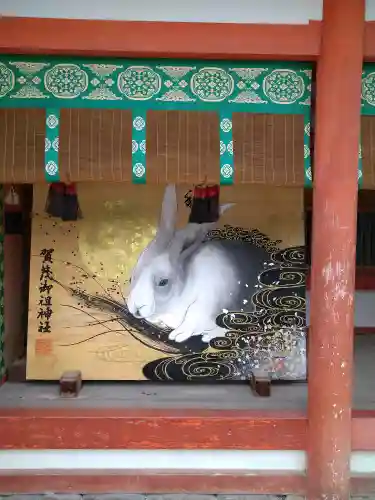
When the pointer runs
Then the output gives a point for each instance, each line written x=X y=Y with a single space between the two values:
x=163 y=282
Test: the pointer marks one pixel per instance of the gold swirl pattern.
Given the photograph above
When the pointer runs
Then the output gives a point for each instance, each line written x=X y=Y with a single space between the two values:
x=224 y=343
x=194 y=367
x=290 y=257
x=253 y=236
x=277 y=278
x=288 y=319
x=244 y=340
x=240 y=321
x=272 y=299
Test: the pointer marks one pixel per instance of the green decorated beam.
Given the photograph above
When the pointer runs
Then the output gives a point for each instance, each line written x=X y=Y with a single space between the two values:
x=142 y=85
x=367 y=104
x=368 y=90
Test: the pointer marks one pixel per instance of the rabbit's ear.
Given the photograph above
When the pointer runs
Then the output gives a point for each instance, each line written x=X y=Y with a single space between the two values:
x=225 y=207
x=187 y=240
x=165 y=231
x=168 y=213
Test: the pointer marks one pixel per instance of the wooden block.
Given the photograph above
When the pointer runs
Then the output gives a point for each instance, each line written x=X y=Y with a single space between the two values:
x=70 y=384
x=260 y=384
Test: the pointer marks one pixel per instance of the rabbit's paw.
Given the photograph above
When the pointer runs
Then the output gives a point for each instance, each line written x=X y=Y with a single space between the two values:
x=191 y=326
x=189 y=329
x=183 y=332
x=213 y=334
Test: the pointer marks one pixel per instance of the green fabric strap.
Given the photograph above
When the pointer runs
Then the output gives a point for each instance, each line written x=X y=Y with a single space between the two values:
x=139 y=146
x=51 y=150
x=226 y=148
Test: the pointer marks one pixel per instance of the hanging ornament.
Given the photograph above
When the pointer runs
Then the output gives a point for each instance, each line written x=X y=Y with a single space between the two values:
x=55 y=199
x=12 y=198
x=204 y=204
x=13 y=216
x=213 y=192
x=198 y=211
x=62 y=202
x=71 y=208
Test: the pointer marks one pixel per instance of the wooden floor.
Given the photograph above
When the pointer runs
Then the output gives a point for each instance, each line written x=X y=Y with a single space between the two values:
x=217 y=396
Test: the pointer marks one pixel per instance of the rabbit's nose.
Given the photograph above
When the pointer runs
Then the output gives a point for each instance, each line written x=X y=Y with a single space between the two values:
x=137 y=313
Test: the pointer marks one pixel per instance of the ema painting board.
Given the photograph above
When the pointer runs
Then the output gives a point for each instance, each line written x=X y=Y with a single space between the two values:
x=132 y=291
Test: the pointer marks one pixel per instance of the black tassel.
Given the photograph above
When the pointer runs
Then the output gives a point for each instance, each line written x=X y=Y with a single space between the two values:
x=213 y=203
x=55 y=199
x=205 y=204
x=62 y=202
x=71 y=208
x=199 y=208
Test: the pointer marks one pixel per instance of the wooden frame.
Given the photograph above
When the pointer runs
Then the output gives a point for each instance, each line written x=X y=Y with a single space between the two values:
x=140 y=85
x=159 y=39
x=190 y=40
x=38 y=428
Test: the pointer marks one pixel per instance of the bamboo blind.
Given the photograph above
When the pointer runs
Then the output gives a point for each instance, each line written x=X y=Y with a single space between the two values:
x=182 y=147
x=268 y=149
x=21 y=145
x=368 y=151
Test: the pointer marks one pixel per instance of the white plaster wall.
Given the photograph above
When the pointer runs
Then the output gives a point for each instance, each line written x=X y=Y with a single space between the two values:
x=370 y=10
x=218 y=460
x=219 y=11
x=235 y=11
x=364 y=313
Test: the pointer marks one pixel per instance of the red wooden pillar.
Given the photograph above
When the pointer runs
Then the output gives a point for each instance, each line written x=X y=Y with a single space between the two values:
x=330 y=360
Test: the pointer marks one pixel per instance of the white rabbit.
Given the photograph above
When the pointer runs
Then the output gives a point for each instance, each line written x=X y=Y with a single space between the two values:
x=183 y=282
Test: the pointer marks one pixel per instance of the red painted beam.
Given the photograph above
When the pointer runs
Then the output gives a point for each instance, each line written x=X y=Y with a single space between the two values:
x=166 y=429
x=151 y=429
x=159 y=39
